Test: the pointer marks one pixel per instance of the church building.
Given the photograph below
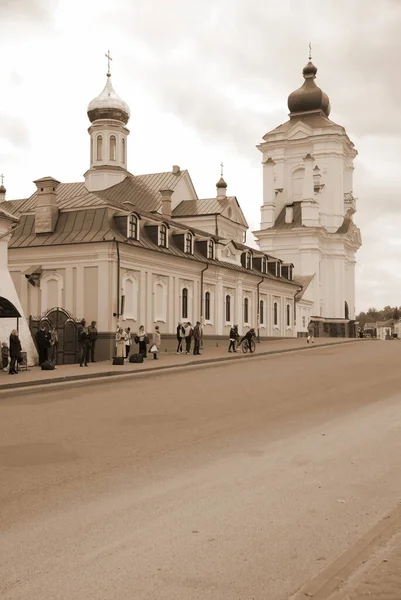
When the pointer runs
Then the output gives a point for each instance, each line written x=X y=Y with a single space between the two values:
x=119 y=248
x=308 y=207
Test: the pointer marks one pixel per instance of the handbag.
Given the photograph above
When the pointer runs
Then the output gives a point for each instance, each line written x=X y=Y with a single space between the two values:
x=153 y=348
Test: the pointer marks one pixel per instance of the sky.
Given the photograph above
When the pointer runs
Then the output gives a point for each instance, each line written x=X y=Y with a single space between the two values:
x=205 y=80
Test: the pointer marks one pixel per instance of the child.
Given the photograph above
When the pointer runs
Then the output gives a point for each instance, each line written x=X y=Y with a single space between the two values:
x=5 y=353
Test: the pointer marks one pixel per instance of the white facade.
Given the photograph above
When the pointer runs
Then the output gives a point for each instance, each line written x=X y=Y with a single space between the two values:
x=308 y=206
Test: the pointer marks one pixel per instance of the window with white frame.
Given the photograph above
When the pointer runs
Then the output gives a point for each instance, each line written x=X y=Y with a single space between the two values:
x=99 y=148
x=188 y=243
x=228 y=308
x=184 y=303
x=163 y=235
x=246 y=310
x=275 y=314
x=207 y=306
x=113 y=147
x=261 y=312
x=210 y=249
x=288 y=315
x=132 y=227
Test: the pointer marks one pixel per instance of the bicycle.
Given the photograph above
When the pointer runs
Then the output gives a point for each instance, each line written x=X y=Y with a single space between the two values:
x=248 y=345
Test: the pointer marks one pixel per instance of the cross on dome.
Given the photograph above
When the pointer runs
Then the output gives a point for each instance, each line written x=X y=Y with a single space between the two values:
x=108 y=56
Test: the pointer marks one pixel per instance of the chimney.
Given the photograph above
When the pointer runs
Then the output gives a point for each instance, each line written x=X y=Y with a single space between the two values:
x=46 y=209
x=166 y=202
x=176 y=170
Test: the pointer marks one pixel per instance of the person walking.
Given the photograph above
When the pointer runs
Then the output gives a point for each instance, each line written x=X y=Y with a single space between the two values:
x=5 y=354
x=311 y=333
x=197 y=338
x=92 y=331
x=156 y=341
x=53 y=345
x=128 y=342
x=15 y=351
x=142 y=341
x=180 y=337
x=43 y=342
x=233 y=339
x=120 y=342
x=84 y=343
x=188 y=337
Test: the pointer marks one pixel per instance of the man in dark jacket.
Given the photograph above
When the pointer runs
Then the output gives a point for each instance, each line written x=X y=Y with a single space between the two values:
x=180 y=337
x=43 y=342
x=233 y=338
x=84 y=343
x=92 y=331
x=197 y=337
x=15 y=351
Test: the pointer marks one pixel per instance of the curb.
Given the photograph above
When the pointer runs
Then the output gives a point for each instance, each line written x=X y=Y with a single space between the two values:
x=33 y=386
x=330 y=580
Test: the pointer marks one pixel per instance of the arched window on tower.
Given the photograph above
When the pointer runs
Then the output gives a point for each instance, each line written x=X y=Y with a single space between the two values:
x=99 y=148
x=113 y=147
x=91 y=150
x=123 y=159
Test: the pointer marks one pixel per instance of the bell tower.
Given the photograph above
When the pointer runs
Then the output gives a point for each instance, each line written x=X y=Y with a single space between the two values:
x=109 y=115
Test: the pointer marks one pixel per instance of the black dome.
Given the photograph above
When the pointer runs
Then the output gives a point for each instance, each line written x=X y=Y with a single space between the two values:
x=309 y=97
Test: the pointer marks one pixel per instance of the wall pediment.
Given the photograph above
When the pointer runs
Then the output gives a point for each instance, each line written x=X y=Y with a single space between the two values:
x=299 y=132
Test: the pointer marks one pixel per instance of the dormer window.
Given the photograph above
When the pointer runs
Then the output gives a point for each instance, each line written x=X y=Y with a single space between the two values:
x=188 y=243
x=132 y=227
x=210 y=249
x=263 y=265
x=163 y=236
x=248 y=260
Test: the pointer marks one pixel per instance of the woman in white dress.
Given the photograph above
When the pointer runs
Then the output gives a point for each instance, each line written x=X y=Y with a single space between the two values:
x=120 y=342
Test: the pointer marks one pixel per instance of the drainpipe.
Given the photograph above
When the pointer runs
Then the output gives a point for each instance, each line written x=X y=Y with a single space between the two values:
x=117 y=314
x=258 y=309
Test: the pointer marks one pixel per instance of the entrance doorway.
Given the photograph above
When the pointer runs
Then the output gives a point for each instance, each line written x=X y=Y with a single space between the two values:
x=67 y=332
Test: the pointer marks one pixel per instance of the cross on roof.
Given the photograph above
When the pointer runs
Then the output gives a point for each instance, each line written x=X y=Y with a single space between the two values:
x=2 y=178
x=310 y=50
x=108 y=62
x=221 y=172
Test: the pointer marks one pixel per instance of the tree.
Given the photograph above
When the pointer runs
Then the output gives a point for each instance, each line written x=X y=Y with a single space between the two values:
x=396 y=314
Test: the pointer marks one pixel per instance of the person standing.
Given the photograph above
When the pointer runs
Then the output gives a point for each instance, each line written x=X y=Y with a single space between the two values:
x=197 y=338
x=92 y=331
x=128 y=342
x=5 y=353
x=233 y=339
x=156 y=341
x=180 y=337
x=53 y=345
x=311 y=332
x=15 y=351
x=120 y=342
x=84 y=343
x=188 y=337
x=142 y=341
x=43 y=343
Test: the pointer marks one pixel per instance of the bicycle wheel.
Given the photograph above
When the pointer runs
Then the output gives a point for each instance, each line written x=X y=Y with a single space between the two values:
x=245 y=346
x=253 y=346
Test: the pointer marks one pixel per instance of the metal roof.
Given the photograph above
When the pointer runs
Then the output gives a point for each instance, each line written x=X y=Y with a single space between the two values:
x=296 y=221
x=208 y=206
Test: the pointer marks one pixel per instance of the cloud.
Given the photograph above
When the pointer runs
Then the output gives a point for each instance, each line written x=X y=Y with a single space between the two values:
x=14 y=131
x=26 y=10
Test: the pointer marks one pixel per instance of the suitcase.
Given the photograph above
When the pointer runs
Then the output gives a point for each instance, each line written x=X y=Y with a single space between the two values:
x=136 y=358
x=47 y=366
x=118 y=360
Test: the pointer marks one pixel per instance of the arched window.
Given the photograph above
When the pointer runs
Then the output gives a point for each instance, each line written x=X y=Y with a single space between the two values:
x=91 y=150
x=297 y=184
x=99 y=148
x=163 y=236
x=130 y=292
x=210 y=249
x=184 y=300
x=113 y=147
x=188 y=243
x=228 y=308
x=160 y=291
x=51 y=286
x=288 y=315
x=246 y=310
x=123 y=159
x=261 y=312
x=207 y=306
x=275 y=314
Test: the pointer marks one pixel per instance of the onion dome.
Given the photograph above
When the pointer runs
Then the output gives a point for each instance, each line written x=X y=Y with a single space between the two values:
x=309 y=97
x=2 y=189
x=108 y=105
x=221 y=183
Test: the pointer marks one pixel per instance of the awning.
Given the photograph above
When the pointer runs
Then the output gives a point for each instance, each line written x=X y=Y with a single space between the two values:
x=7 y=309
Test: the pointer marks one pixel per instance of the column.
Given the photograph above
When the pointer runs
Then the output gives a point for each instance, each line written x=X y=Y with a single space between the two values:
x=220 y=308
x=142 y=298
x=170 y=311
x=79 y=292
x=268 y=208
x=148 y=317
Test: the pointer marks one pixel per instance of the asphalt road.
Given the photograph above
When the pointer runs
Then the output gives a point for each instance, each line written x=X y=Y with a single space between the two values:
x=232 y=482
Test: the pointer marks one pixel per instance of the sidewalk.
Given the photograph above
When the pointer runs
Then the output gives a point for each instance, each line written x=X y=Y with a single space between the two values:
x=36 y=377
